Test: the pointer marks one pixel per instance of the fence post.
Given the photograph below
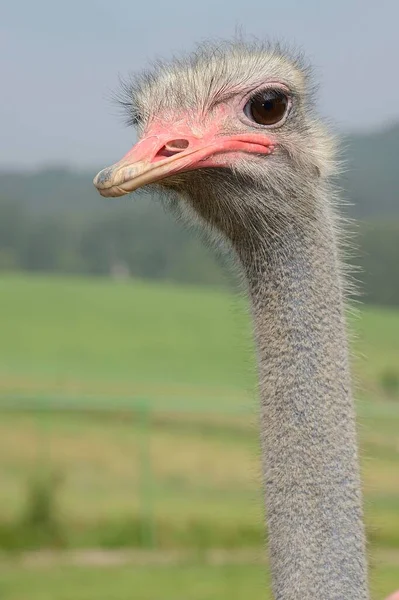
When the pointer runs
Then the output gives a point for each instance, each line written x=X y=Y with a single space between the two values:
x=146 y=491
x=43 y=431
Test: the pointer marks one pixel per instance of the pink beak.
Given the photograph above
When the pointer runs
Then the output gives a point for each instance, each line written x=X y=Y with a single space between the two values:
x=164 y=152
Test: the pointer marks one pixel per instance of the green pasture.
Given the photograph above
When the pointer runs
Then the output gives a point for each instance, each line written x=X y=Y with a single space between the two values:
x=96 y=336
x=195 y=480
x=193 y=582
x=128 y=419
x=131 y=335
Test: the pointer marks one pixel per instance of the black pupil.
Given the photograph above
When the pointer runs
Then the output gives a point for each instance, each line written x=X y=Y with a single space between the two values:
x=268 y=105
x=269 y=109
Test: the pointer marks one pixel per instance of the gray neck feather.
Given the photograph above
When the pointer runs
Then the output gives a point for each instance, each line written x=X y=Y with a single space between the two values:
x=308 y=435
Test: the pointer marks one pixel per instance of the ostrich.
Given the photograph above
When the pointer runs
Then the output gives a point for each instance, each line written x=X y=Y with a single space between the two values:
x=231 y=132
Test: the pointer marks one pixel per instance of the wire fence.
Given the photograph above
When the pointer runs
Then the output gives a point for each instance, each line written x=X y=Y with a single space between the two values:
x=220 y=480
x=143 y=414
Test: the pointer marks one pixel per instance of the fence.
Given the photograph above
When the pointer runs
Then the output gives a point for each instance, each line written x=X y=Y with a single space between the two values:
x=194 y=473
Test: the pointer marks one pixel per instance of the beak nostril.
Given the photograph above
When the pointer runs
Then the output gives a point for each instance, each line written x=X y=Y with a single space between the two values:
x=177 y=145
x=173 y=147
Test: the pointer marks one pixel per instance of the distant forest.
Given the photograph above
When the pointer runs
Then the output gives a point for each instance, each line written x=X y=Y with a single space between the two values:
x=53 y=220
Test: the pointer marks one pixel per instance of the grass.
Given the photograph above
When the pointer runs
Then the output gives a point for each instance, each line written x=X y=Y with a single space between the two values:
x=192 y=464
x=58 y=329
x=190 y=582
x=81 y=336
x=198 y=480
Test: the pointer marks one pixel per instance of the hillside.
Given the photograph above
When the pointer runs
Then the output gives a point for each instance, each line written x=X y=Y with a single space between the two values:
x=370 y=181
x=54 y=220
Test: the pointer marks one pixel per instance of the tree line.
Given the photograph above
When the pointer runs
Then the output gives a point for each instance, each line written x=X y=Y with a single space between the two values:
x=141 y=240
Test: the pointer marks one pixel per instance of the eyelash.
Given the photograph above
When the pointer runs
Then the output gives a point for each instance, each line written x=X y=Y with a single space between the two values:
x=268 y=94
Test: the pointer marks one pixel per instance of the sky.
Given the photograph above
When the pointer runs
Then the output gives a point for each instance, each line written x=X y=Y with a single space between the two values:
x=60 y=61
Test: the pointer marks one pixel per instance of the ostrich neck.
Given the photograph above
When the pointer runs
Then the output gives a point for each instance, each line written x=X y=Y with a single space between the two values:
x=308 y=436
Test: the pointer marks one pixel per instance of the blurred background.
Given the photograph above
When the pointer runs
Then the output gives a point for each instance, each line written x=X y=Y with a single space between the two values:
x=129 y=459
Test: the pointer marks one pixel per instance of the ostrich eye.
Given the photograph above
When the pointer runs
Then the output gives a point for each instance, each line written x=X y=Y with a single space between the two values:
x=267 y=108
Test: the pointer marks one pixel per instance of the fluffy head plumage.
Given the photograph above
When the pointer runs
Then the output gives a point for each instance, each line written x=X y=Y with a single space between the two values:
x=255 y=189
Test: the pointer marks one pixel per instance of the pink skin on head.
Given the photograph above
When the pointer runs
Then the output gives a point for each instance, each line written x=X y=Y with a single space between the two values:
x=175 y=146
x=394 y=596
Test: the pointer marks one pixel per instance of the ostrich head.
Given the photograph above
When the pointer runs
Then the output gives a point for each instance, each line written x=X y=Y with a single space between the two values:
x=231 y=129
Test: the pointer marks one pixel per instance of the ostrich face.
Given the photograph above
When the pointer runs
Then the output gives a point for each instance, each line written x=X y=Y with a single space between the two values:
x=220 y=121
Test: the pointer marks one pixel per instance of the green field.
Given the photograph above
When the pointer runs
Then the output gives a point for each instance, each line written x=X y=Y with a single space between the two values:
x=160 y=450
x=96 y=336
x=193 y=582
x=133 y=336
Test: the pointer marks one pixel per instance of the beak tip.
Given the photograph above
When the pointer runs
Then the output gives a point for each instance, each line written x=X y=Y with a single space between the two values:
x=103 y=177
